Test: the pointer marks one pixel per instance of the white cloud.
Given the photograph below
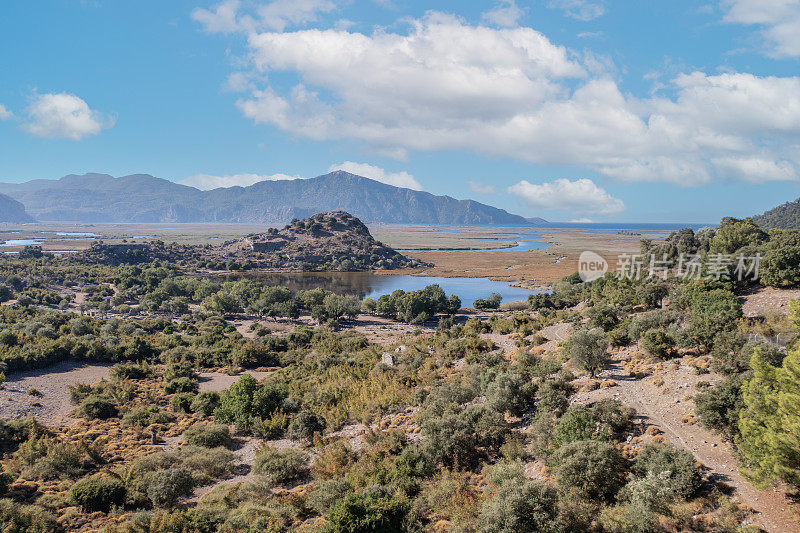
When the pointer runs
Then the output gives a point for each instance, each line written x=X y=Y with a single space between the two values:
x=579 y=9
x=398 y=179
x=581 y=196
x=230 y=16
x=481 y=188
x=5 y=114
x=223 y=18
x=65 y=116
x=506 y=14
x=511 y=92
x=207 y=182
x=779 y=21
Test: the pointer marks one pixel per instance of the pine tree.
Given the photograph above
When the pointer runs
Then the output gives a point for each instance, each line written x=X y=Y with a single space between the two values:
x=770 y=421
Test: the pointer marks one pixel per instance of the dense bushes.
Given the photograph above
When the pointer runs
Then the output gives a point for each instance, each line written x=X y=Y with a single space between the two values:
x=169 y=484
x=374 y=509
x=98 y=493
x=281 y=466
x=675 y=468
x=247 y=400
x=519 y=504
x=305 y=425
x=208 y=435
x=419 y=306
x=590 y=469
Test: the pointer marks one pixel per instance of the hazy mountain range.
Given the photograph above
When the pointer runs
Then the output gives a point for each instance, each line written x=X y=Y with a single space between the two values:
x=144 y=198
x=12 y=210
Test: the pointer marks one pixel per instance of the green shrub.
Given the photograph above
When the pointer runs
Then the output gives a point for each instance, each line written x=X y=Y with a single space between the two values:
x=273 y=427
x=205 y=403
x=652 y=492
x=511 y=392
x=5 y=480
x=167 y=485
x=98 y=493
x=248 y=400
x=590 y=469
x=97 y=407
x=577 y=424
x=281 y=466
x=207 y=464
x=521 y=506
x=146 y=416
x=674 y=466
x=657 y=343
x=718 y=407
x=305 y=425
x=208 y=435
x=327 y=493
x=182 y=385
x=131 y=371
x=182 y=402
x=369 y=511
x=48 y=458
x=458 y=435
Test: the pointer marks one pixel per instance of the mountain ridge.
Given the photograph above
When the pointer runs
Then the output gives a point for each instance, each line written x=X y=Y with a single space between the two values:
x=97 y=197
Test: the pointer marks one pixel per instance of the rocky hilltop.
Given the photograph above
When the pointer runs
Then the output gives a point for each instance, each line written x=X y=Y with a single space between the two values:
x=327 y=241
x=12 y=210
x=144 y=198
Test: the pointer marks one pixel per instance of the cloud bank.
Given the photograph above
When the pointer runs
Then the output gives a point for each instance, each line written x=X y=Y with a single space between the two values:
x=446 y=85
x=64 y=116
x=581 y=196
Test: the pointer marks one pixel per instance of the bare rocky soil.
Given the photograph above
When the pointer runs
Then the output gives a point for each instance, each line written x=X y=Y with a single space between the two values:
x=54 y=404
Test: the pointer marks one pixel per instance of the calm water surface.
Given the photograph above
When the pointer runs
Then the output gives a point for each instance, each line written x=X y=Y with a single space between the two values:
x=369 y=285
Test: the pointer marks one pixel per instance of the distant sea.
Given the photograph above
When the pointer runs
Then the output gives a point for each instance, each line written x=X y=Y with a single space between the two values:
x=638 y=227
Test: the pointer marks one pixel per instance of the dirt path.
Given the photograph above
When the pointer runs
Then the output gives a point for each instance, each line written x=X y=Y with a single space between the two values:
x=54 y=405
x=666 y=406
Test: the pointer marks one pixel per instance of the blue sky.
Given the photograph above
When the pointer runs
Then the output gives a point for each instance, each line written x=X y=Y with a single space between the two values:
x=567 y=109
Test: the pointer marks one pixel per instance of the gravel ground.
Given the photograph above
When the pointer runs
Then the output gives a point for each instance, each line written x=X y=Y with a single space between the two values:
x=54 y=406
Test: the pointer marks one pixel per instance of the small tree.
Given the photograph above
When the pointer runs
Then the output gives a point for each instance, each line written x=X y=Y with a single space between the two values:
x=657 y=343
x=588 y=349
x=521 y=506
x=591 y=469
x=305 y=425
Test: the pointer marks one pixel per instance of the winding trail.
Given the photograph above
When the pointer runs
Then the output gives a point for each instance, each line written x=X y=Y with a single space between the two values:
x=666 y=406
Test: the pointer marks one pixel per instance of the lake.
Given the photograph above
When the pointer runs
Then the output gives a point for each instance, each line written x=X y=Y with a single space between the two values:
x=369 y=285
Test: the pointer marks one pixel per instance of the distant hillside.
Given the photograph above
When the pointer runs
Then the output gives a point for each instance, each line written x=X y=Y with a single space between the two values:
x=144 y=198
x=786 y=216
x=328 y=241
x=12 y=211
